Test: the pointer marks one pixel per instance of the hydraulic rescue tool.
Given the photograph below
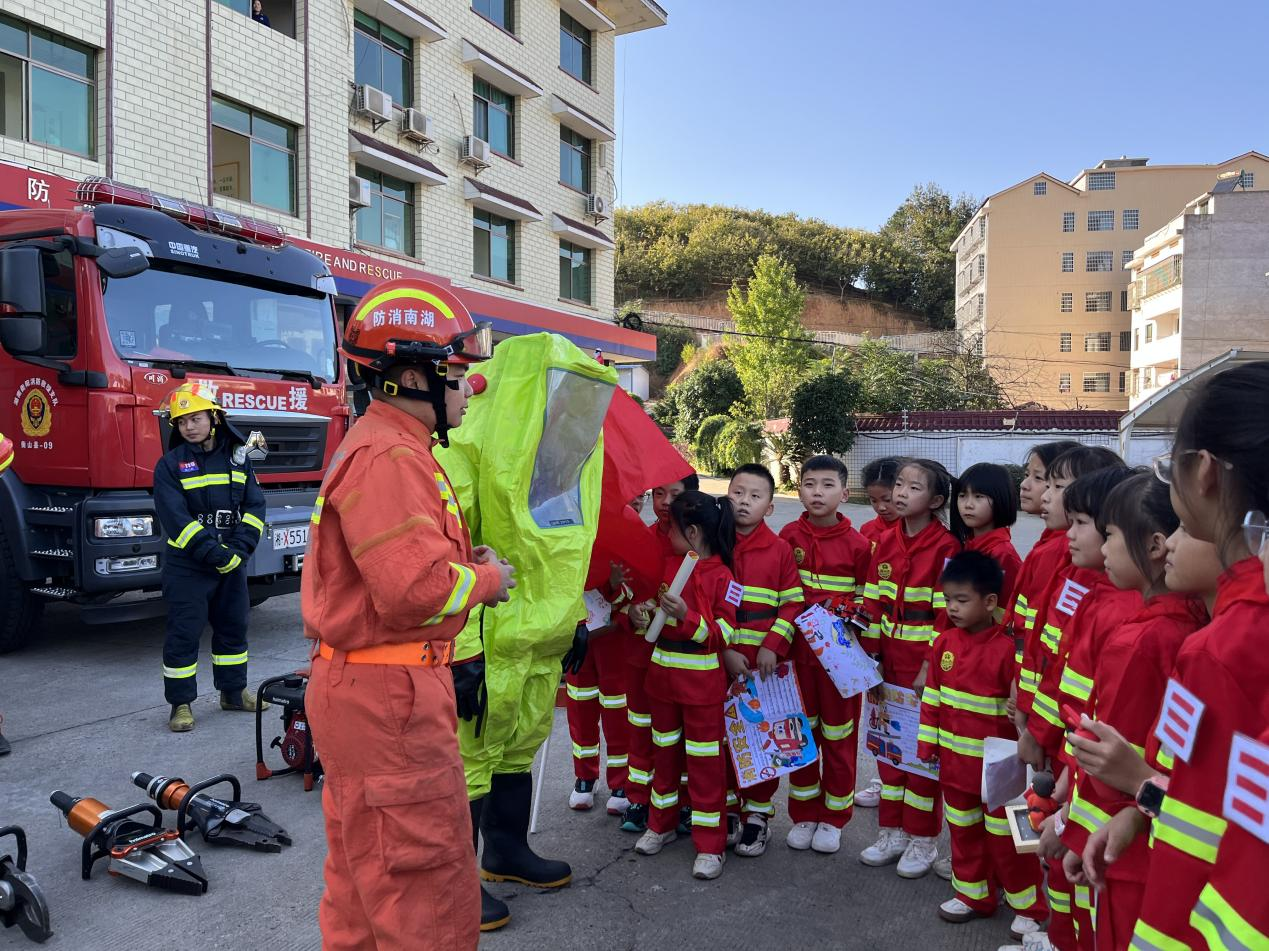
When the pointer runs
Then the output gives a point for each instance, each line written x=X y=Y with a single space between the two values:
x=222 y=822
x=296 y=741
x=22 y=903
x=141 y=850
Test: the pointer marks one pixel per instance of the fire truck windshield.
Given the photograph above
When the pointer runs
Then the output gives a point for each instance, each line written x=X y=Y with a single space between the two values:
x=174 y=317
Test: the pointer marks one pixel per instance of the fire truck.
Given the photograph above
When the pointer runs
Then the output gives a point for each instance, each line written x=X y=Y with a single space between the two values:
x=104 y=309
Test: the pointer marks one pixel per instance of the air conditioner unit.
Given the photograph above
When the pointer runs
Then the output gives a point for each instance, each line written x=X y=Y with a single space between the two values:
x=374 y=103
x=417 y=126
x=358 y=192
x=474 y=151
x=597 y=206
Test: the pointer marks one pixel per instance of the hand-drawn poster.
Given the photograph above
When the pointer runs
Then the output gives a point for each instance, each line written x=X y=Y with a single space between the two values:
x=767 y=729
x=833 y=641
x=890 y=728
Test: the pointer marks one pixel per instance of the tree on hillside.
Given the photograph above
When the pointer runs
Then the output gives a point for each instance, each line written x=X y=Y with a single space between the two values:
x=821 y=419
x=891 y=381
x=771 y=355
x=709 y=390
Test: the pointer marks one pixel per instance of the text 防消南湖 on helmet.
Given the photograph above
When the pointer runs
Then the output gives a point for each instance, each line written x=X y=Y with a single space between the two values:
x=414 y=322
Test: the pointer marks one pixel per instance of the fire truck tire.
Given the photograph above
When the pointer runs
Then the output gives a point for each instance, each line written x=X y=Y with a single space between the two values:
x=20 y=610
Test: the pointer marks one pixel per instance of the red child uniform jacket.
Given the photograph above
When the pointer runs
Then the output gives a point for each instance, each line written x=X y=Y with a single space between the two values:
x=873 y=530
x=832 y=565
x=1049 y=558
x=640 y=652
x=998 y=544
x=686 y=668
x=1061 y=601
x=902 y=598
x=763 y=565
x=964 y=703
x=1130 y=676
x=1225 y=667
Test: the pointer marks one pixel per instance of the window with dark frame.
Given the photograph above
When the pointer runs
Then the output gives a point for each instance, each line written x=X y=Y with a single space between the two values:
x=494 y=117
x=1096 y=301
x=1068 y=262
x=1125 y=340
x=383 y=58
x=1132 y=219
x=278 y=14
x=1123 y=301
x=1068 y=221
x=575 y=151
x=1096 y=383
x=1039 y=188
x=1123 y=381
x=1064 y=382
x=48 y=88
x=1068 y=302
x=496 y=11
x=389 y=221
x=575 y=48
x=1099 y=261
x=494 y=241
x=1101 y=220
x=575 y=273
x=1064 y=342
x=1125 y=259
x=1098 y=342
x=253 y=156
x=1101 y=181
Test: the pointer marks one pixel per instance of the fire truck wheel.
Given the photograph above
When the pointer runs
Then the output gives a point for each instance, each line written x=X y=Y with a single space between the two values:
x=20 y=610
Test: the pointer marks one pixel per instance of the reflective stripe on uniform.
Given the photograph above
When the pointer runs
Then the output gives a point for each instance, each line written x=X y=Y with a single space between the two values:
x=971 y=702
x=922 y=803
x=768 y=597
x=892 y=793
x=640 y=777
x=1020 y=901
x=804 y=793
x=927 y=733
x=615 y=702
x=1060 y=902
x=179 y=673
x=581 y=694
x=1221 y=924
x=234 y=562
x=790 y=596
x=784 y=628
x=1075 y=684
x=838 y=584
x=585 y=752
x=997 y=825
x=665 y=801
x=839 y=803
x=701 y=634
x=1028 y=680
x=617 y=762
x=699 y=748
x=766 y=808
x=186 y=535
x=962 y=818
x=1189 y=830
x=1047 y=708
x=317 y=510
x=1146 y=938
x=249 y=519
x=1051 y=637
x=456 y=603
x=642 y=720
x=706 y=820
x=668 y=738
x=977 y=891
x=666 y=658
x=836 y=732
x=229 y=660
x=203 y=481
x=964 y=745
x=1086 y=814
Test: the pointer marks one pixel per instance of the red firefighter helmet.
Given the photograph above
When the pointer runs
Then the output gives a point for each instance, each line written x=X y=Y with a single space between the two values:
x=413 y=321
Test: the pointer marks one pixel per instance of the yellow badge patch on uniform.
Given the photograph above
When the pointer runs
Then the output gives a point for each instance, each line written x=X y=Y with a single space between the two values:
x=883 y=570
x=947 y=660
x=799 y=555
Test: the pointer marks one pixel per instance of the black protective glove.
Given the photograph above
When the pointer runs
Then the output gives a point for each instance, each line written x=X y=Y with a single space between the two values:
x=576 y=655
x=470 y=695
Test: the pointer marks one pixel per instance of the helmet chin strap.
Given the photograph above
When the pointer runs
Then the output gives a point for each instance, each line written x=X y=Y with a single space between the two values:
x=437 y=384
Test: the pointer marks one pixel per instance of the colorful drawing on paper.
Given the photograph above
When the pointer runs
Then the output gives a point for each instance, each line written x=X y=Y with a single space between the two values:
x=891 y=721
x=833 y=642
x=768 y=732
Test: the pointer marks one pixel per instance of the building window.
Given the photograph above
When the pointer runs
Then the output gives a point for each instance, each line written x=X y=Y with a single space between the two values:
x=275 y=14
x=1068 y=262
x=1099 y=261
x=1101 y=221
x=1125 y=259
x=574 y=48
x=496 y=11
x=1101 y=181
x=48 y=90
x=1064 y=342
x=574 y=160
x=1125 y=340
x=494 y=115
x=1149 y=333
x=1097 y=342
x=1123 y=301
x=389 y=221
x=1068 y=302
x=383 y=58
x=1248 y=180
x=1064 y=382
x=982 y=265
x=574 y=273
x=1132 y=219
x=1096 y=301
x=495 y=244
x=1040 y=188
x=1096 y=383
x=1068 y=221
x=253 y=156
x=1123 y=381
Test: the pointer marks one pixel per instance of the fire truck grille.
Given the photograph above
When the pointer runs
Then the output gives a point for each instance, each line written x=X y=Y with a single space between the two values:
x=293 y=446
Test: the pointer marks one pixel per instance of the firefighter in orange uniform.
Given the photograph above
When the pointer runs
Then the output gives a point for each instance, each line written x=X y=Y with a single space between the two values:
x=388 y=582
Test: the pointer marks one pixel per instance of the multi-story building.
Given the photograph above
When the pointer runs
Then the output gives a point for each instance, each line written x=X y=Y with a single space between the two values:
x=470 y=140
x=1200 y=287
x=1042 y=274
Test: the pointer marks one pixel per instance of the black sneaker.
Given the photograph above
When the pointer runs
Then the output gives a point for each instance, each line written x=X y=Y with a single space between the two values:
x=685 y=820
x=582 y=798
x=636 y=819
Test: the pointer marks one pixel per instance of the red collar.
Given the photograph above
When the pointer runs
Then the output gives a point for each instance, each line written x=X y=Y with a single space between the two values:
x=1242 y=582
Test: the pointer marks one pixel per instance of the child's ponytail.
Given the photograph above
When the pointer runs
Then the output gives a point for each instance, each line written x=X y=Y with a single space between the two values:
x=1140 y=508
x=714 y=517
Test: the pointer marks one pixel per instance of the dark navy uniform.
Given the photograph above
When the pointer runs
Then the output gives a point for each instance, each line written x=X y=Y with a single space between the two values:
x=212 y=511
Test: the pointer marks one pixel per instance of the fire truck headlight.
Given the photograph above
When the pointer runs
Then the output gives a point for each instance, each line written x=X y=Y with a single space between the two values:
x=134 y=526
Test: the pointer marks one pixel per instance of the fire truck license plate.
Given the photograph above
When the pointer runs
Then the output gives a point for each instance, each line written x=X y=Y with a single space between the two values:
x=290 y=537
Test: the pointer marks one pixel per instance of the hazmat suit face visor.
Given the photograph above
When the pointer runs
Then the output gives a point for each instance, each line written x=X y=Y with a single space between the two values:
x=575 y=410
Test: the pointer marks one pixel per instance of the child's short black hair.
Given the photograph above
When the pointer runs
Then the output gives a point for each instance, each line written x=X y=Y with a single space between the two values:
x=826 y=464
x=1081 y=461
x=882 y=471
x=1140 y=507
x=993 y=481
x=762 y=472
x=937 y=477
x=1087 y=494
x=1046 y=452
x=691 y=482
x=981 y=572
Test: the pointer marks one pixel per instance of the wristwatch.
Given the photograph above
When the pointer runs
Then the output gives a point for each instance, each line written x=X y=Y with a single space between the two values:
x=1151 y=795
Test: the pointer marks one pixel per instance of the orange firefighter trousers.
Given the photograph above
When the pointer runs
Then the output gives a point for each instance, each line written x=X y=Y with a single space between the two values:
x=399 y=867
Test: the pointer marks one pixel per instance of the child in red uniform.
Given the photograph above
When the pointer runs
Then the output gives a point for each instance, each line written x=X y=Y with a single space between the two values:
x=902 y=599
x=686 y=684
x=878 y=477
x=964 y=702
x=763 y=565
x=986 y=506
x=832 y=561
x=638 y=654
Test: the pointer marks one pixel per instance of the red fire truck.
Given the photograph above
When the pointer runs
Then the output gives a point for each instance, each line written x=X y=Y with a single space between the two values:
x=104 y=309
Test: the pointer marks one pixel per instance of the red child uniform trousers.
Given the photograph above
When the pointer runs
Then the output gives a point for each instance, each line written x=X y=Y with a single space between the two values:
x=597 y=694
x=902 y=598
x=763 y=565
x=963 y=703
x=686 y=687
x=998 y=544
x=1224 y=667
x=1049 y=558
x=832 y=566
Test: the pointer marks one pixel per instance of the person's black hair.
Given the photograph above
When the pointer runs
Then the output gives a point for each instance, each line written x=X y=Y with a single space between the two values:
x=993 y=481
x=761 y=471
x=939 y=479
x=1081 y=461
x=1088 y=493
x=1227 y=417
x=1048 y=451
x=826 y=464
x=712 y=516
x=976 y=569
x=882 y=471
x=690 y=482
x=1140 y=507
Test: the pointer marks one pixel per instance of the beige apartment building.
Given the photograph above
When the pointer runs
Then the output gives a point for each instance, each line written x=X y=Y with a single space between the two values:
x=1042 y=274
x=470 y=140
x=1200 y=286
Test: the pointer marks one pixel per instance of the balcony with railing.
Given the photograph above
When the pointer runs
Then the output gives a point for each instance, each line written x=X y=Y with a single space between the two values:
x=1155 y=280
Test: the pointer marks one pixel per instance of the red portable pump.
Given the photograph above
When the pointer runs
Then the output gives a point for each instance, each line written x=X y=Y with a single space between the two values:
x=296 y=741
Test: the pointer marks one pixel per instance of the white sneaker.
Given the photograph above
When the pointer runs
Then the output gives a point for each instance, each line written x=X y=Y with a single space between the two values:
x=582 y=798
x=918 y=857
x=650 y=843
x=734 y=828
x=617 y=803
x=827 y=838
x=1036 y=941
x=708 y=866
x=943 y=868
x=753 y=838
x=957 y=912
x=870 y=796
x=801 y=836
x=1023 y=928
x=887 y=850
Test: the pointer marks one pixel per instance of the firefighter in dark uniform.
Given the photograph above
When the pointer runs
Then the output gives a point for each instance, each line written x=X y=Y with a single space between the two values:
x=212 y=511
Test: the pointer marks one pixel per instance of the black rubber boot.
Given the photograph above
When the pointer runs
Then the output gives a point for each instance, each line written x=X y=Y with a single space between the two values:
x=493 y=913
x=505 y=826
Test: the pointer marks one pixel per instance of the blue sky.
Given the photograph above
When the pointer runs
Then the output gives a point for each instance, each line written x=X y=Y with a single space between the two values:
x=836 y=109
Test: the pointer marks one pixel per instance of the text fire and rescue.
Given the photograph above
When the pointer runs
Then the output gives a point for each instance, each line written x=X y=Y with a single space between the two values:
x=295 y=401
